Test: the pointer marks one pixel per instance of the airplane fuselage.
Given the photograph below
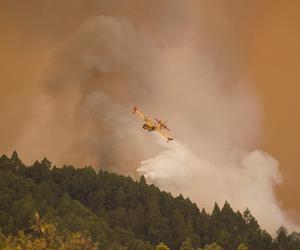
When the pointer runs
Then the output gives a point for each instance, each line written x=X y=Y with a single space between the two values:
x=148 y=128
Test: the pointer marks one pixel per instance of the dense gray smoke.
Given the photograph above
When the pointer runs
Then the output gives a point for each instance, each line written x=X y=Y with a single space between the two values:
x=91 y=84
x=165 y=59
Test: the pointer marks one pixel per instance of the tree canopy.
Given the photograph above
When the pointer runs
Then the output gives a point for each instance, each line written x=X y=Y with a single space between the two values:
x=116 y=212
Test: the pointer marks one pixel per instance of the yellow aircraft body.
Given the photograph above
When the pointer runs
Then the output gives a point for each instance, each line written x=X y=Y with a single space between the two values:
x=151 y=125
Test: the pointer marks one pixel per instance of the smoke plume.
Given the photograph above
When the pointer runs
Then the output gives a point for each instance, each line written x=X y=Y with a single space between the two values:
x=175 y=61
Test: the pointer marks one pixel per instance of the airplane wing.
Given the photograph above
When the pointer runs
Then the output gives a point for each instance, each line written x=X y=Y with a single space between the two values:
x=141 y=115
x=144 y=117
x=169 y=138
x=135 y=110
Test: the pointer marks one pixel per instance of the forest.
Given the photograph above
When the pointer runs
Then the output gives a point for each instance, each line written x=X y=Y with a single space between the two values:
x=47 y=207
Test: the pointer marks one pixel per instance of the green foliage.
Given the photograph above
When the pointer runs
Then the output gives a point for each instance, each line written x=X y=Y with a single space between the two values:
x=45 y=236
x=187 y=245
x=242 y=247
x=162 y=246
x=119 y=213
x=213 y=246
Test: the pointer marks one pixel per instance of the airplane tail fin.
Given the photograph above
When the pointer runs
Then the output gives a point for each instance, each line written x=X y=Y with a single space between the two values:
x=162 y=124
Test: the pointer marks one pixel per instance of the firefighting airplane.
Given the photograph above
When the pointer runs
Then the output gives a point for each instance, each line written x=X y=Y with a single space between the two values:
x=156 y=125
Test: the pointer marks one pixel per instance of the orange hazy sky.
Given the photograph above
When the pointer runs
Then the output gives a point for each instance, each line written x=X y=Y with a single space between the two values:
x=269 y=46
x=273 y=64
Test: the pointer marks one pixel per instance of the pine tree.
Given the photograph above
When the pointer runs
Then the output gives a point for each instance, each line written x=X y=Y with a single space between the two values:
x=143 y=180
x=178 y=229
x=282 y=238
x=215 y=223
x=250 y=220
x=15 y=162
